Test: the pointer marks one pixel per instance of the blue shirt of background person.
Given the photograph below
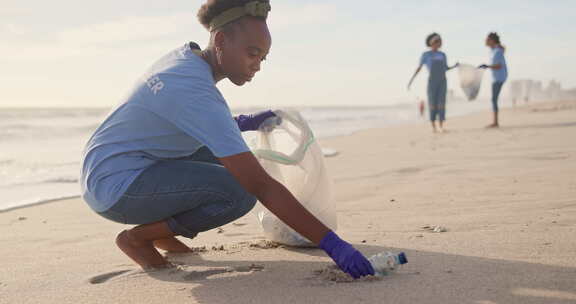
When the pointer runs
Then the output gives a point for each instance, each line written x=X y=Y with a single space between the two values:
x=437 y=64
x=498 y=59
x=435 y=61
x=431 y=56
x=499 y=73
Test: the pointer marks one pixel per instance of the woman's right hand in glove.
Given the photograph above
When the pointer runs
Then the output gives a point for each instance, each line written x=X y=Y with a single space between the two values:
x=346 y=256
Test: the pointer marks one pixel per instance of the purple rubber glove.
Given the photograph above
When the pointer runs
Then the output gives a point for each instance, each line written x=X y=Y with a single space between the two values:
x=253 y=121
x=345 y=256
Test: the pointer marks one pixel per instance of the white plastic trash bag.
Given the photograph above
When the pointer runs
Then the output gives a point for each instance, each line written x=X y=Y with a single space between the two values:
x=291 y=155
x=470 y=80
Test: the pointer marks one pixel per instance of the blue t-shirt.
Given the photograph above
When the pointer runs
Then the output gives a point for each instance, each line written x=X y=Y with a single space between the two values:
x=172 y=111
x=501 y=74
x=437 y=64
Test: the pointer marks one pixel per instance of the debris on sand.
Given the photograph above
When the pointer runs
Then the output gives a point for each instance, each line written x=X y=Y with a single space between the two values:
x=439 y=229
x=198 y=249
x=434 y=228
x=265 y=244
x=333 y=274
x=327 y=152
x=231 y=248
x=218 y=248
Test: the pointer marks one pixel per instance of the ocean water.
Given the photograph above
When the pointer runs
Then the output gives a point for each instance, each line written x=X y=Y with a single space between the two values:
x=40 y=149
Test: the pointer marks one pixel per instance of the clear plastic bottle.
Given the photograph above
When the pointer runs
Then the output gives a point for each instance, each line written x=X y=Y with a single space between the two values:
x=386 y=262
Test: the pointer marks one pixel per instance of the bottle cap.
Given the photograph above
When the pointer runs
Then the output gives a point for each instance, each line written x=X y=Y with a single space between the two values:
x=402 y=258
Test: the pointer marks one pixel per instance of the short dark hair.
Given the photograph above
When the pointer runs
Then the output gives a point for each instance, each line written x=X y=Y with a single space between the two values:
x=494 y=37
x=429 y=38
x=213 y=8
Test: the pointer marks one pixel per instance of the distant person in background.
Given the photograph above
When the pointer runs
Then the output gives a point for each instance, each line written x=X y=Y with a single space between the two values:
x=437 y=65
x=499 y=72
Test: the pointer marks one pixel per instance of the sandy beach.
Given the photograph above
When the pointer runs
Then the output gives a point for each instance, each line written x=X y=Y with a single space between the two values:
x=506 y=197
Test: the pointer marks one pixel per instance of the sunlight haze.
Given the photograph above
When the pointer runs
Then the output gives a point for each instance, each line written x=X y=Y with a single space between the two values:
x=345 y=53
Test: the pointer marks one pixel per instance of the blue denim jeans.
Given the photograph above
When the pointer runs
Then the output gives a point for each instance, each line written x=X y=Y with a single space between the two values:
x=496 y=89
x=192 y=194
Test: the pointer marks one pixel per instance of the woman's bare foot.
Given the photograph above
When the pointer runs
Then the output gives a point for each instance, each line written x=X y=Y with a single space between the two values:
x=492 y=126
x=172 y=245
x=141 y=251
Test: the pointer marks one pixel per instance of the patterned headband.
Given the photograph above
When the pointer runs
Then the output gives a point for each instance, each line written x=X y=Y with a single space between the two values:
x=254 y=8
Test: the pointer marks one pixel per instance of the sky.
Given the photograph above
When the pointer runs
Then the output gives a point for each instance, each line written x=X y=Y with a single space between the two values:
x=65 y=53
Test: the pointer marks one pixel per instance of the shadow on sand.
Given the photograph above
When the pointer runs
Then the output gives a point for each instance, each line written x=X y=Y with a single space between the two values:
x=428 y=278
